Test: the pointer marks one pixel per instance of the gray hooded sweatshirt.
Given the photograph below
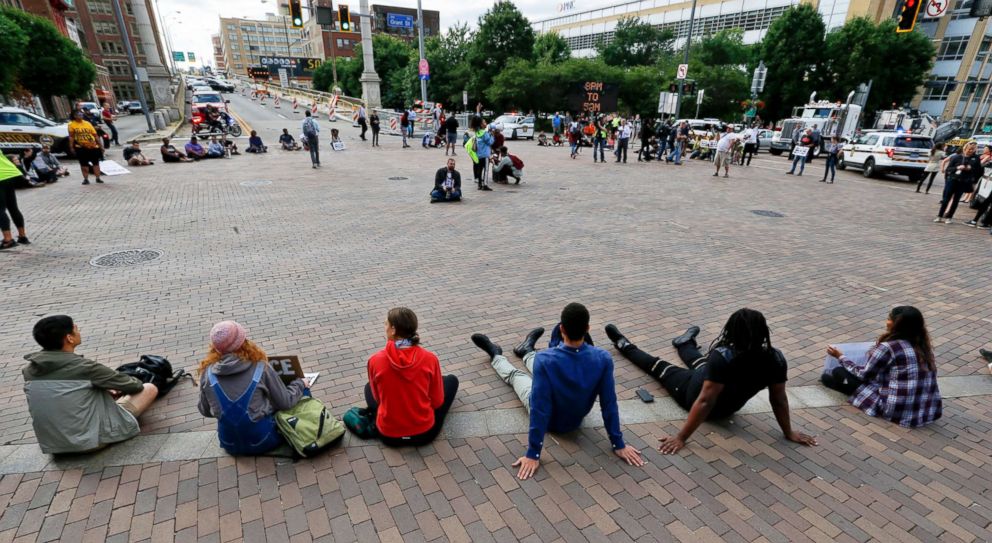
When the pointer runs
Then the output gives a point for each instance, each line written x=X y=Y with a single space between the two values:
x=234 y=376
x=71 y=409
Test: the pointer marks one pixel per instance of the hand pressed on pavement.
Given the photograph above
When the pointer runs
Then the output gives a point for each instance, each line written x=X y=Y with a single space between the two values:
x=671 y=445
x=528 y=467
x=630 y=455
x=802 y=439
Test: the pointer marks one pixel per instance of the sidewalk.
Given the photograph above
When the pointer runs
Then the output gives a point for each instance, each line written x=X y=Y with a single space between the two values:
x=310 y=261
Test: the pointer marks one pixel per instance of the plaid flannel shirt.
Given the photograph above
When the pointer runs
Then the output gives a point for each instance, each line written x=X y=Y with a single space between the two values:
x=895 y=387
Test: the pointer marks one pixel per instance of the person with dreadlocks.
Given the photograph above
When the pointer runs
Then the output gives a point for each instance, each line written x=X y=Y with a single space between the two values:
x=740 y=363
x=898 y=381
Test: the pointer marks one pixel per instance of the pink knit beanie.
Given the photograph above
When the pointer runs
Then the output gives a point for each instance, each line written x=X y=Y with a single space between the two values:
x=227 y=336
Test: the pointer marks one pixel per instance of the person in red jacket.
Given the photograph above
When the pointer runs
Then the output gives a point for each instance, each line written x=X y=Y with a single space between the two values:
x=406 y=394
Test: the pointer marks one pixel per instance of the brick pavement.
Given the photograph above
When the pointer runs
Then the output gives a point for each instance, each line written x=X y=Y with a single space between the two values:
x=311 y=263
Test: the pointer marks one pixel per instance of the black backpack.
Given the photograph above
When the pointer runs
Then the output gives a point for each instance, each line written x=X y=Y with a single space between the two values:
x=156 y=370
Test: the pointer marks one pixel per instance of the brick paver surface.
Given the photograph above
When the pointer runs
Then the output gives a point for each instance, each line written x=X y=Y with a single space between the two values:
x=311 y=263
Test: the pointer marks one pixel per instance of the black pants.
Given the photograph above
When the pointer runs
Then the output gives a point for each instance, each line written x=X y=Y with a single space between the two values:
x=933 y=174
x=749 y=150
x=113 y=133
x=365 y=127
x=622 y=149
x=478 y=168
x=8 y=202
x=375 y=135
x=953 y=190
x=450 y=389
x=677 y=381
x=983 y=208
x=842 y=380
x=502 y=175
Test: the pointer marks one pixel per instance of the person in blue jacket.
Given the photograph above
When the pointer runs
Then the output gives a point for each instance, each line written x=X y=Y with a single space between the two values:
x=479 y=149
x=567 y=379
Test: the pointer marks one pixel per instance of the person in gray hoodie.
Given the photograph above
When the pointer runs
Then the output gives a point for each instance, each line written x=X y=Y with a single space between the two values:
x=78 y=405
x=240 y=389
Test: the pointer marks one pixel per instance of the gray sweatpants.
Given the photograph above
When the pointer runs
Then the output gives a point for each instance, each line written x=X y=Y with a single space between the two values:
x=520 y=380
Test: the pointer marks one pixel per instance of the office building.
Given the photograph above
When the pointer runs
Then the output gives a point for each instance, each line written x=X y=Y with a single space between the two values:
x=219 y=63
x=245 y=41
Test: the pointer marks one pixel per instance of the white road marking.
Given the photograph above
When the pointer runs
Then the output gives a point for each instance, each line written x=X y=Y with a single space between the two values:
x=283 y=116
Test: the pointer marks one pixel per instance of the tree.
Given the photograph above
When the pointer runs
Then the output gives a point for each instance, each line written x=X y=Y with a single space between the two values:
x=13 y=44
x=897 y=63
x=57 y=67
x=450 y=72
x=323 y=77
x=391 y=56
x=504 y=34
x=719 y=65
x=792 y=52
x=636 y=43
x=551 y=48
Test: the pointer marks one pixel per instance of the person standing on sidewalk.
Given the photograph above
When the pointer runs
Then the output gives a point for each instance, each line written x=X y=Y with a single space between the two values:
x=405 y=126
x=599 y=140
x=725 y=151
x=84 y=143
x=833 y=155
x=933 y=167
x=311 y=130
x=10 y=174
x=108 y=117
x=750 y=145
x=963 y=170
x=806 y=140
x=623 y=140
x=362 y=120
x=374 y=123
x=451 y=127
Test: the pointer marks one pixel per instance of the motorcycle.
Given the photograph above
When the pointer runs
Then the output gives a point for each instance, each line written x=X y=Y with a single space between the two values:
x=224 y=125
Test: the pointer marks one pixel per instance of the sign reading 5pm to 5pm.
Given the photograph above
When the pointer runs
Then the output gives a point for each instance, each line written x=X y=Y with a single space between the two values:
x=296 y=66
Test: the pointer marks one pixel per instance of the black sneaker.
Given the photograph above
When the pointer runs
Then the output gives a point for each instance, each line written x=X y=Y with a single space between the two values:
x=23 y=240
x=486 y=187
x=528 y=343
x=618 y=339
x=98 y=180
x=483 y=342
x=86 y=181
x=687 y=337
x=986 y=354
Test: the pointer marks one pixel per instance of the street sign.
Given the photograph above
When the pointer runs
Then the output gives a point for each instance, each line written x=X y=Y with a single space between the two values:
x=699 y=97
x=683 y=71
x=666 y=102
x=284 y=77
x=937 y=8
x=179 y=56
x=191 y=56
x=465 y=98
x=399 y=20
x=424 y=69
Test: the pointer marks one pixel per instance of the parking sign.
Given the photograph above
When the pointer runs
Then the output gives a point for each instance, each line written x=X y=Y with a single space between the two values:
x=683 y=71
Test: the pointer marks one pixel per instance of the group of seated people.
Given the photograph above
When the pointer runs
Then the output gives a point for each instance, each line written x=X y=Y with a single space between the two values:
x=192 y=151
x=38 y=167
x=408 y=397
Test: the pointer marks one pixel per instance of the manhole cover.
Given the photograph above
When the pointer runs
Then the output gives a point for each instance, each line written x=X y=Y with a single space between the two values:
x=256 y=183
x=131 y=257
x=398 y=178
x=766 y=213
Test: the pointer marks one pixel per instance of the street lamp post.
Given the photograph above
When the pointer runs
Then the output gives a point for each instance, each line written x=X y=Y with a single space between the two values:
x=134 y=65
x=757 y=85
x=685 y=60
x=420 y=38
x=168 y=40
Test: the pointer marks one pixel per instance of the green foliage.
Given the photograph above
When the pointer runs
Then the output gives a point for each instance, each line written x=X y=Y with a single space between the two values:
x=636 y=43
x=450 y=71
x=57 y=67
x=323 y=77
x=13 y=44
x=719 y=65
x=551 y=48
x=504 y=34
x=392 y=56
x=897 y=63
x=792 y=51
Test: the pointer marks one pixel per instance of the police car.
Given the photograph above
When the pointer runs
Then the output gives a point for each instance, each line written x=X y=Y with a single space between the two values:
x=888 y=152
x=19 y=128
x=515 y=126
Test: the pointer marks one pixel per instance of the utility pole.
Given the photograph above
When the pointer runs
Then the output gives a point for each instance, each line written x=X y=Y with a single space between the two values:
x=370 y=80
x=134 y=65
x=685 y=59
x=420 y=38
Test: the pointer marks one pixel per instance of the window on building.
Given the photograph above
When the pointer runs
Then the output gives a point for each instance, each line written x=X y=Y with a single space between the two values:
x=952 y=48
x=106 y=27
x=939 y=88
x=100 y=7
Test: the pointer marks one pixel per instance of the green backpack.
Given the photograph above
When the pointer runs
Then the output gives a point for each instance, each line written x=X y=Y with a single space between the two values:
x=361 y=423
x=308 y=426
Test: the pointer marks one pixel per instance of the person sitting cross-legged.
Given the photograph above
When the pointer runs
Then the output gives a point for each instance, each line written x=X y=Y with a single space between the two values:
x=194 y=150
x=135 y=157
x=170 y=154
x=216 y=149
x=255 y=144
x=447 y=184
x=78 y=405
x=740 y=363
x=567 y=379
x=287 y=141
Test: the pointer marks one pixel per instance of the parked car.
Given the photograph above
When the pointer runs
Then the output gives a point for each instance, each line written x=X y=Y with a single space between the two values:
x=133 y=107
x=219 y=84
x=515 y=126
x=765 y=139
x=888 y=152
x=19 y=128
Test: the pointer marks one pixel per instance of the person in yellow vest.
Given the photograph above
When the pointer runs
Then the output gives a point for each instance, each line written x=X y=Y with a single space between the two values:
x=9 y=175
x=85 y=144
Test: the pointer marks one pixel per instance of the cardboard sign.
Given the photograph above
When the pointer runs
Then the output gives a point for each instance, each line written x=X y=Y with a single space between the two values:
x=800 y=151
x=287 y=367
x=855 y=352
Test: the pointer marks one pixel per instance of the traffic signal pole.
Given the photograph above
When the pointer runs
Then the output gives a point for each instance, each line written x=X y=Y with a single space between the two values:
x=420 y=37
x=688 y=42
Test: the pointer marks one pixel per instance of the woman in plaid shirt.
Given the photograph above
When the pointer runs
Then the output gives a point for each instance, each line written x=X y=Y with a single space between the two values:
x=898 y=382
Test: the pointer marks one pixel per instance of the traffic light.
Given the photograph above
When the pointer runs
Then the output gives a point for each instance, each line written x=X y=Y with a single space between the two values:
x=907 y=15
x=296 y=13
x=344 y=18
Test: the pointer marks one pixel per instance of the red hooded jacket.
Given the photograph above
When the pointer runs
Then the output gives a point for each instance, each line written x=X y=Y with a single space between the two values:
x=407 y=384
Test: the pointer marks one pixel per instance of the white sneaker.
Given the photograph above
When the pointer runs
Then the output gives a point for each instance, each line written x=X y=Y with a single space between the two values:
x=948 y=221
x=938 y=219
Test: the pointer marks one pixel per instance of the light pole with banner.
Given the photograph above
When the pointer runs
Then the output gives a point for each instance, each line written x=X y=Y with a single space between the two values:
x=424 y=70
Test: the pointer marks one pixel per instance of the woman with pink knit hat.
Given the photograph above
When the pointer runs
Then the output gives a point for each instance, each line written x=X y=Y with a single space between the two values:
x=240 y=389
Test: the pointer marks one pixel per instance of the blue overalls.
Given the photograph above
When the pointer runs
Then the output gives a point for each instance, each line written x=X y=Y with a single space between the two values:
x=238 y=434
